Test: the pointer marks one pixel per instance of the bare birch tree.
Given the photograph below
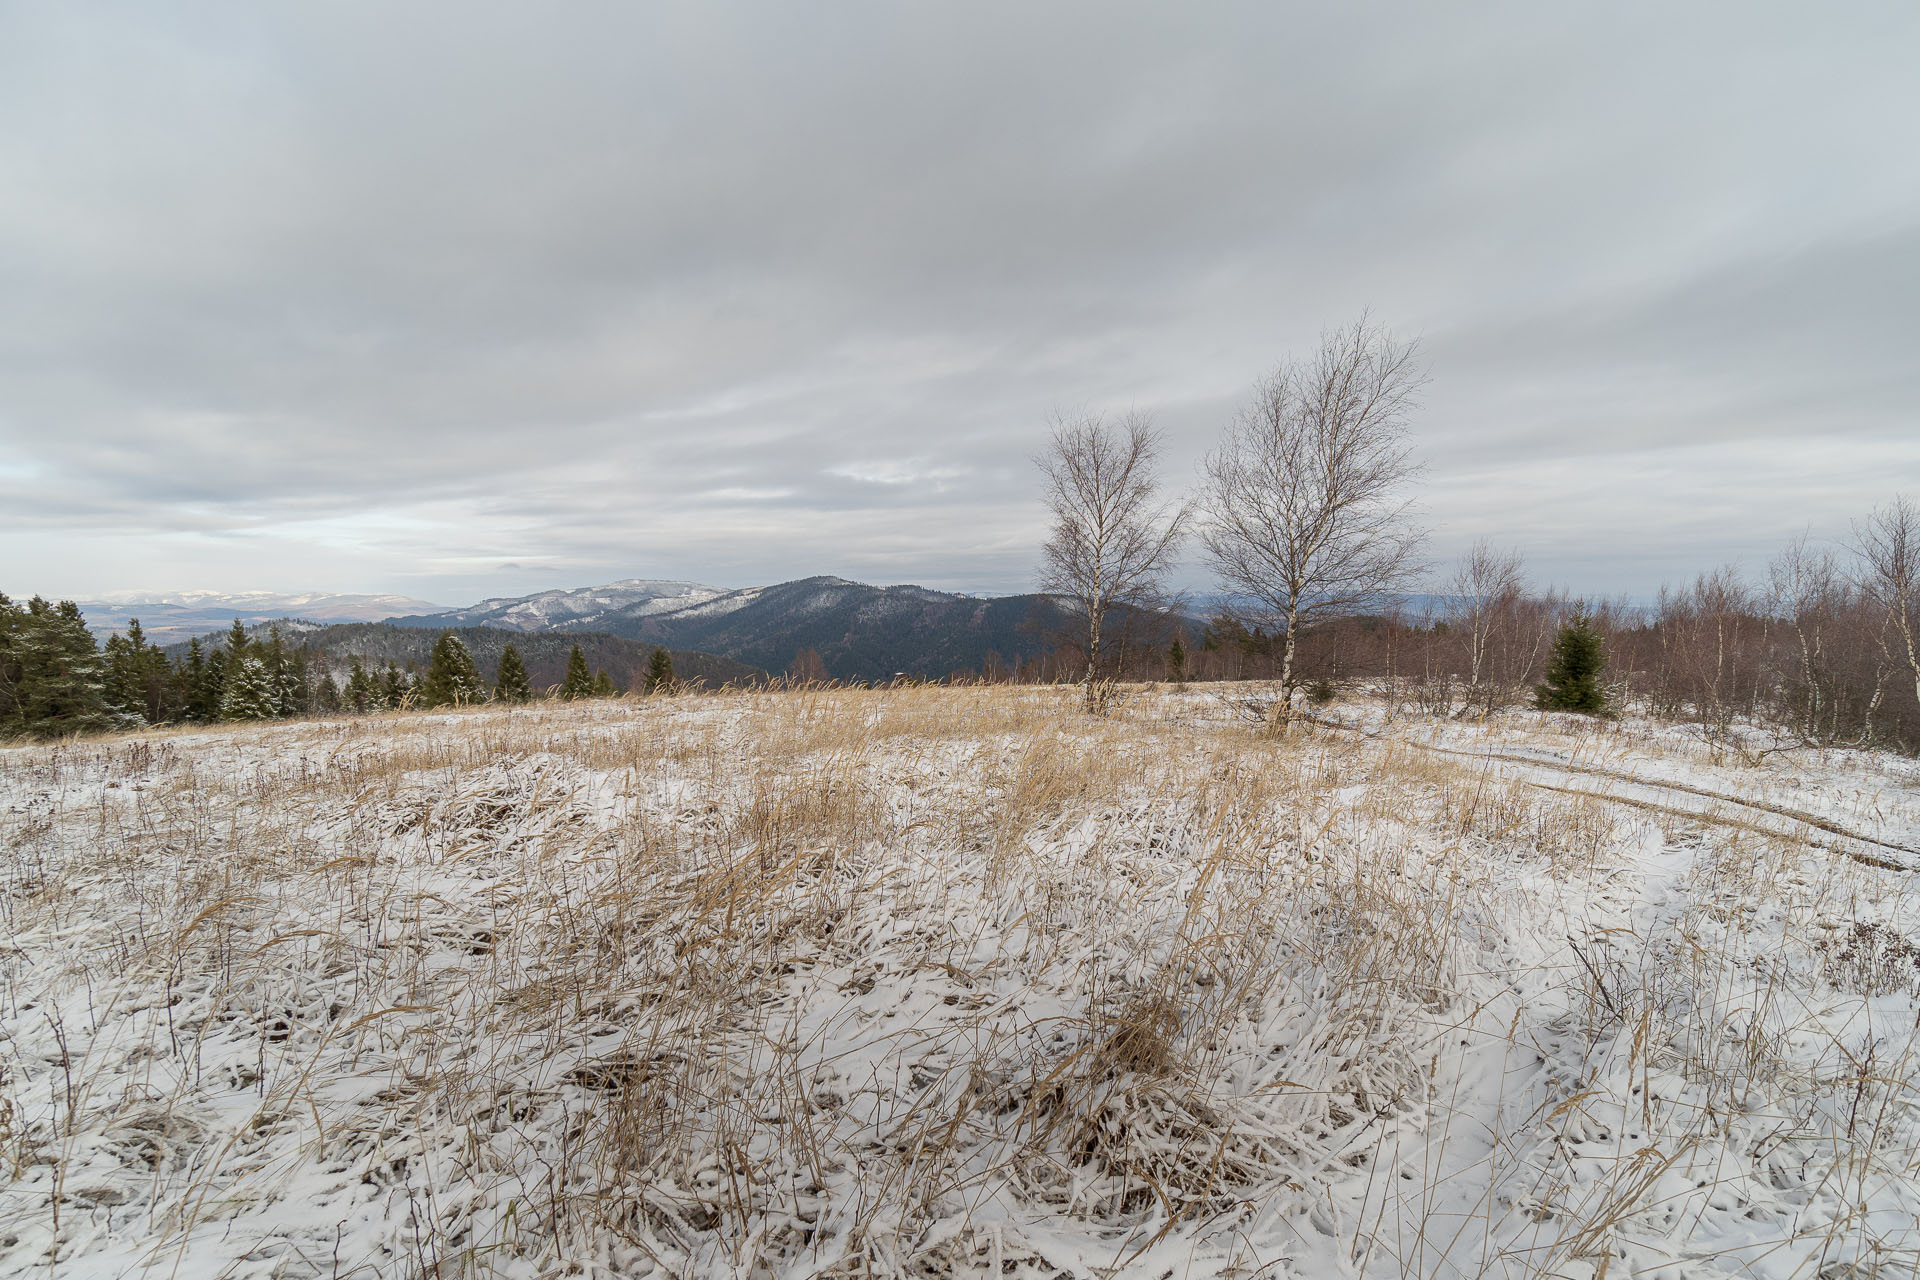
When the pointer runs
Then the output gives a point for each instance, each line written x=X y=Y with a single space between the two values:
x=1888 y=542
x=1486 y=587
x=1304 y=513
x=1808 y=593
x=1713 y=644
x=1113 y=539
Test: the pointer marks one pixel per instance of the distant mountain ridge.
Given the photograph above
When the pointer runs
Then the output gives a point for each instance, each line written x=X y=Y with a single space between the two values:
x=580 y=607
x=170 y=617
x=860 y=631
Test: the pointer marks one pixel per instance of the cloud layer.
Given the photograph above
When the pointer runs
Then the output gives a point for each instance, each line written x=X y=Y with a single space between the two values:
x=461 y=300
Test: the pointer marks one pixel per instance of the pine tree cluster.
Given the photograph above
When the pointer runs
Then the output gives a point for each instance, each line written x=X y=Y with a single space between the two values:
x=52 y=678
x=55 y=681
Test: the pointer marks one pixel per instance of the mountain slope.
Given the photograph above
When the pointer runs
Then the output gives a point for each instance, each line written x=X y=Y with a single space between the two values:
x=581 y=607
x=861 y=632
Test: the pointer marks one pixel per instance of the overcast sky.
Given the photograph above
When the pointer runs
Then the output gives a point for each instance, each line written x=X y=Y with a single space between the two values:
x=462 y=300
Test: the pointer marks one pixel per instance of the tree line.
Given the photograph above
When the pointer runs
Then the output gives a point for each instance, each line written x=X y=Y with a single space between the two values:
x=56 y=680
x=1304 y=514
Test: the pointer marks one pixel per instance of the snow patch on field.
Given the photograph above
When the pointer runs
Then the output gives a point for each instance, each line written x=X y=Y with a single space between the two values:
x=943 y=982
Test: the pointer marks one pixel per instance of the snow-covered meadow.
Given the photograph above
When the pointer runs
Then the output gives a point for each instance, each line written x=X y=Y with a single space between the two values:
x=947 y=981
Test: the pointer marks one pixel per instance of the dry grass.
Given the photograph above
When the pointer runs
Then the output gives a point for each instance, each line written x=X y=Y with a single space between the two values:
x=920 y=981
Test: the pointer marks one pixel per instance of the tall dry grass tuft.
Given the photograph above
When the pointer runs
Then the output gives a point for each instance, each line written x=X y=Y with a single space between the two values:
x=930 y=981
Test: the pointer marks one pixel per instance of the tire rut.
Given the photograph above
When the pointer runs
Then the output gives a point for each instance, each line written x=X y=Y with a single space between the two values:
x=1813 y=820
x=1660 y=784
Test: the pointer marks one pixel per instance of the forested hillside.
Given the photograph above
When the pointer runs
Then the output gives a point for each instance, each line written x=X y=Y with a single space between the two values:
x=845 y=630
x=545 y=653
x=862 y=632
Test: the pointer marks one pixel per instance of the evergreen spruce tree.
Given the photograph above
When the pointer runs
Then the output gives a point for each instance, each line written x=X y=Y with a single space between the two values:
x=62 y=682
x=510 y=682
x=215 y=683
x=286 y=675
x=301 y=693
x=1177 y=661
x=363 y=691
x=659 y=672
x=247 y=693
x=225 y=661
x=579 y=681
x=199 y=685
x=1573 y=670
x=322 y=694
x=273 y=656
x=216 y=680
x=393 y=688
x=157 y=685
x=121 y=679
x=180 y=686
x=452 y=678
x=12 y=619
x=137 y=677
x=603 y=685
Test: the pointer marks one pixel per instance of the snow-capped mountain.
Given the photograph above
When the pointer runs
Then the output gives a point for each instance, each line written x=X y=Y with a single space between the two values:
x=580 y=607
x=858 y=630
x=855 y=629
x=170 y=616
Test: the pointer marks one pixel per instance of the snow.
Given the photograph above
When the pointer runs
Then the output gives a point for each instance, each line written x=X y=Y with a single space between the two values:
x=954 y=981
x=629 y=597
x=728 y=602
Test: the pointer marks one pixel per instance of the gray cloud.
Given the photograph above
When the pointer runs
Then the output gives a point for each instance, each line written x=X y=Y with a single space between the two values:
x=461 y=300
